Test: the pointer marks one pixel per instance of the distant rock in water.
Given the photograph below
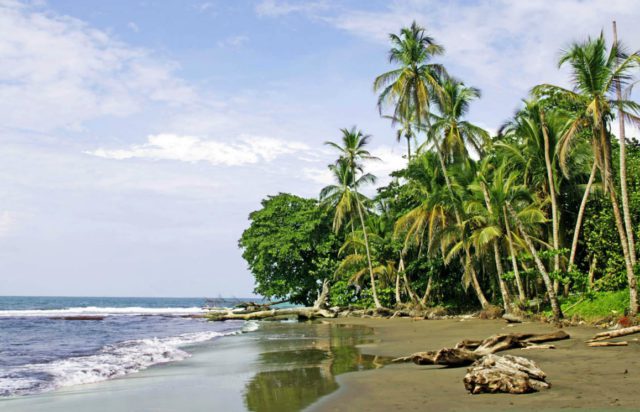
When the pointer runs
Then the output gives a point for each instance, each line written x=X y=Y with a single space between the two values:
x=78 y=317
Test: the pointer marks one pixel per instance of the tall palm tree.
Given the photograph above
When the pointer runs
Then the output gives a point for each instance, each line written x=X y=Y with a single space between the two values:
x=450 y=127
x=448 y=132
x=539 y=133
x=409 y=88
x=352 y=153
x=596 y=70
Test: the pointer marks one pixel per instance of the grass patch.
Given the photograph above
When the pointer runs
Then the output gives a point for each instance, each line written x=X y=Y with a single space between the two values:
x=596 y=305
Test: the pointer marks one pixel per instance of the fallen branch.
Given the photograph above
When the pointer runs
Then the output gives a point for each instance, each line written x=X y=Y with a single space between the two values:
x=469 y=351
x=605 y=344
x=615 y=333
x=300 y=313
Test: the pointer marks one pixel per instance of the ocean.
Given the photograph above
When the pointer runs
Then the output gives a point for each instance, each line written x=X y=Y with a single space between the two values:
x=51 y=342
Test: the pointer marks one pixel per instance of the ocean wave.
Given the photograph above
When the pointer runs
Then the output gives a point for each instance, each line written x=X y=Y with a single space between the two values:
x=100 y=311
x=111 y=361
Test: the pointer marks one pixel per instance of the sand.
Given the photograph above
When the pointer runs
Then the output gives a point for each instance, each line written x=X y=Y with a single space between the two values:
x=289 y=367
x=581 y=377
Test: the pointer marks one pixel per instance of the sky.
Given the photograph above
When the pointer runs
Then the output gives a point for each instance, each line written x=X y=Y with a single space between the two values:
x=137 y=136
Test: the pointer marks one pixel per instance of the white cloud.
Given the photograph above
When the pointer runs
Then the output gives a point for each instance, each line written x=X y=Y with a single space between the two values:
x=58 y=72
x=246 y=150
x=321 y=176
x=276 y=8
x=503 y=43
x=133 y=26
x=7 y=222
x=233 y=41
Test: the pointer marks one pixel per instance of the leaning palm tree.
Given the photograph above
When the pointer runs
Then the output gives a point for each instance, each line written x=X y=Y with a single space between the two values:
x=409 y=88
x=596 y=71
x=352 y=153
x=539 y=130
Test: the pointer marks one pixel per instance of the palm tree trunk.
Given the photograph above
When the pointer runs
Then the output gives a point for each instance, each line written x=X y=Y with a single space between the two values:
x=506 y=299
x=610 y=187
x=408 y=137
x=555 y=306
x=623 y=169
x=467 y=263
x=398 y=298
x=374 y=292
x=514 y=261
x=552 y=194
x=407 y=285
x=427 y=292
x=583 y=206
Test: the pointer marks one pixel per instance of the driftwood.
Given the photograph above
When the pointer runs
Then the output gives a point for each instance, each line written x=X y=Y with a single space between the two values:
x=606 y=344
x=300 y=313
x=469 y=351
x=510 y=374
x=615 y=333
x=539 y=347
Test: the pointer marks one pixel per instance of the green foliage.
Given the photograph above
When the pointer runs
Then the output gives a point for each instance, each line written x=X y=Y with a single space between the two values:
x=598 y=305
x=289 y=248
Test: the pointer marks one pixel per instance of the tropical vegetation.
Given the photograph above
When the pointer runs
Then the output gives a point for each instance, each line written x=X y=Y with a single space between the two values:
x=542 y=215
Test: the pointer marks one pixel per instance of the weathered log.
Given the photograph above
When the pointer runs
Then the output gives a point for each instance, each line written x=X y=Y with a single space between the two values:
x=539 y=347
x=469 y=351
x=511 y=318
x=510 y=374
x=300 y=313
x=606 y=344
x=615 y=333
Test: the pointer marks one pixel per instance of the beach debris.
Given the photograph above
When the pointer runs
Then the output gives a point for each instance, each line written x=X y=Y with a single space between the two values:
x=511 y=318
x=469 y=350
x=615 y=333
x=607 y=344
x=299 y=313
x=509 y=374
x=538 y=347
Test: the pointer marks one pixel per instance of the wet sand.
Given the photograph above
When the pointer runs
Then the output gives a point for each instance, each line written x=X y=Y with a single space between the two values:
x=281 y=367
x=582 y=378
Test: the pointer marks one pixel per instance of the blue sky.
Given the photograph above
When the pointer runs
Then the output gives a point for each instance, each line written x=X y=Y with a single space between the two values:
x=136 y=136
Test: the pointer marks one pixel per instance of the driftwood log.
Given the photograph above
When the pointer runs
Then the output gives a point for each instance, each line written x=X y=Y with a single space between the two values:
x=510 y=374
x=300 y=313
x=606 y=344
x=469 y=351
x=615 y=333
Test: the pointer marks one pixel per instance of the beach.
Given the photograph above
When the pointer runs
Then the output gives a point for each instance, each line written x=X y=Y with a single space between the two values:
x=581 y=377
x=343 y=365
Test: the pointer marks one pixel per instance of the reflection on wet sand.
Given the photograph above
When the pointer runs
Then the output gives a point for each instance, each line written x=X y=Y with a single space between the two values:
x=299 y=364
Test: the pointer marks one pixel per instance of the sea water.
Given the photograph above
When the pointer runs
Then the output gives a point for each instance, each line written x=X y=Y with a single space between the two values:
x=51 y=342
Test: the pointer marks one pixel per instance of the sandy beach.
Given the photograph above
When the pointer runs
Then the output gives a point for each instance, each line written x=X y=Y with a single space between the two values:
x=581 y=377
x=342 y=365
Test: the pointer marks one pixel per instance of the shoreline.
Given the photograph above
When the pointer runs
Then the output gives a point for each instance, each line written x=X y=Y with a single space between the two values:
x=580 y=377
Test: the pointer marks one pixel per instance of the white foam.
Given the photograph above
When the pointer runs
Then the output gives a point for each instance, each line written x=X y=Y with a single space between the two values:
x=100 y=311
x=110 y=362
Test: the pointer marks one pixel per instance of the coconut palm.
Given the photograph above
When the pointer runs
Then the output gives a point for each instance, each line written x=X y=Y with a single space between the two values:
x=352 y=153
x=596 y=70
x=410 y=87
x=448 y=128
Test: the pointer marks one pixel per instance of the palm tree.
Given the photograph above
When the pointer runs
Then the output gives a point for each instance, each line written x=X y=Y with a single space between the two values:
x=455 y=133
x=450 y=132
x=407 y=129
x=352 y=153
x=539 y=133
x=410 y=87
x=595 y=73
